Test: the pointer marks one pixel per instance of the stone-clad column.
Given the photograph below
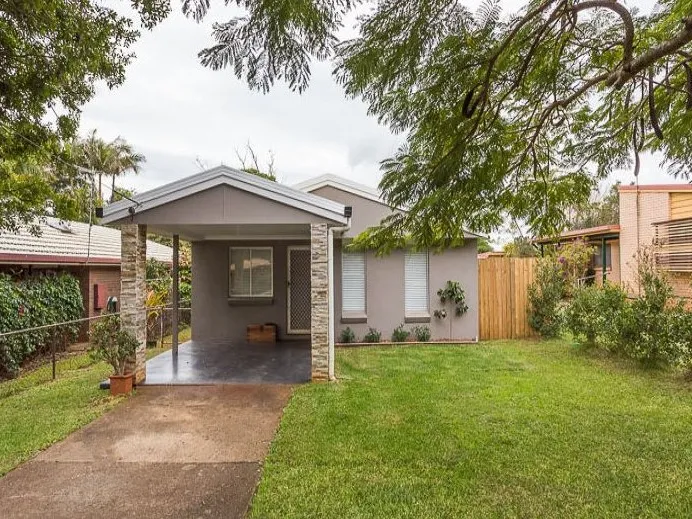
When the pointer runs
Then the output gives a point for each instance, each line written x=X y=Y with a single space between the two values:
x=319 y=288
x=133 y=290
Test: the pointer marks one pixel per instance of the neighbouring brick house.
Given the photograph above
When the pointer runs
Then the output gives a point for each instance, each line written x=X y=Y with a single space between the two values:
x=656 y=216
x=92 y=257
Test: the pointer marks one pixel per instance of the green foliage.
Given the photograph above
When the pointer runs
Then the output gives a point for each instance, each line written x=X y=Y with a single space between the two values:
x=111 y=344
x=399 y=334
x=421 y=333
x=372 y=336
x=545 y=297
x=33 y=302
x=593 y=312
x=603 y=210
x=520 y=248
x=347 y=336
x=653 y=328
x=53 y=54
x=504 y=115
x=453 y=293
x=483 y=245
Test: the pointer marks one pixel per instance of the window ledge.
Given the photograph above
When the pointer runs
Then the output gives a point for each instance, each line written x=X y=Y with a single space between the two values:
x=422 y=318
x=250 y=301
x=354 y=318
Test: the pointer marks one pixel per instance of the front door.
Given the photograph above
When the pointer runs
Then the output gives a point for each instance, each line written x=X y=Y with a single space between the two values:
x=299 y=297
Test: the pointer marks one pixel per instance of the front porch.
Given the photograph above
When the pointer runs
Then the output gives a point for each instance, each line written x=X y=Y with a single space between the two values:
x=209 y=362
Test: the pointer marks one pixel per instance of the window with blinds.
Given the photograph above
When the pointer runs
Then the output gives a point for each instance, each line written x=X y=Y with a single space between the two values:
x=353 y=283
x=251 y=272
x=416 y=284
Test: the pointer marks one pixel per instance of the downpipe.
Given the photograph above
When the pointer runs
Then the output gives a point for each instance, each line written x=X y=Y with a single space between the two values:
x=330 y=274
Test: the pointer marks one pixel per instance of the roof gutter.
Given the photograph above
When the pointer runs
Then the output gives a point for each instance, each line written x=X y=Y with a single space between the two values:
x=330 y=274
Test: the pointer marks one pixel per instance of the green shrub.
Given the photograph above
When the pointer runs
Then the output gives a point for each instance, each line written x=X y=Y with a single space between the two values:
x=372 y=336
x=399 y=334
x=347 y=336
x=112 y=344
x=653 y=328
x=33 y=302
x=421 y=333
x=593 y=314
x=545 y=297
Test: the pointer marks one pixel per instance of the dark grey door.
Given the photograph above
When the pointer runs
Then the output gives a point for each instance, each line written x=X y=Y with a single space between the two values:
x=299 y=298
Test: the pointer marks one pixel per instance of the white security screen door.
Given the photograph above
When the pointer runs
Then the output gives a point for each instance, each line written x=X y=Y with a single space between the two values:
x=299 y=296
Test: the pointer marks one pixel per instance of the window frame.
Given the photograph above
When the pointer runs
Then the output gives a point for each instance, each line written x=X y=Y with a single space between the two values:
x=251 y=296
x=413 y=316
x=355 y=315
x=598 y=255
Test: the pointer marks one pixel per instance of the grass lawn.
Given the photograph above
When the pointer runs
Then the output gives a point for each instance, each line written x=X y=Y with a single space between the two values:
x=36 y=411
x=503 y=429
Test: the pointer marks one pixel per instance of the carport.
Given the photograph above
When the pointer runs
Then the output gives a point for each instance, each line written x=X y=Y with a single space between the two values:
x=261 y=254
x=205 y=362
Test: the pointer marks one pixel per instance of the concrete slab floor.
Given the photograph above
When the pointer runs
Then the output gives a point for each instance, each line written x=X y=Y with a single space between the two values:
x=190 y=451
x=208 y=362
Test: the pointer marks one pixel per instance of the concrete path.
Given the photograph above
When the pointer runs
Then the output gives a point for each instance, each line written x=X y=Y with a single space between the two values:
x=184 y=451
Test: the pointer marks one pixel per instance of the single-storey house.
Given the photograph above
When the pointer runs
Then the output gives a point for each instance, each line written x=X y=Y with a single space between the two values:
x=264 y=252
x=66 y=246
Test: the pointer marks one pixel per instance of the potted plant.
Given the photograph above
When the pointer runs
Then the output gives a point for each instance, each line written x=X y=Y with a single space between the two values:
x=112 y=344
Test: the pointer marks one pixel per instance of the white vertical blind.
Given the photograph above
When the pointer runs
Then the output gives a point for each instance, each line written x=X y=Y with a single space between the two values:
x=416 y=283
x=353 y=282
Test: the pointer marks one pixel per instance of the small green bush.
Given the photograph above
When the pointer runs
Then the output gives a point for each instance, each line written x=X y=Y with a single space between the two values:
x=399 y=334
x=421 y=333
x=112 y=344
x=653 y=328
x=33 y=302
x=593 y=313
x=545 y=298
x=347 y=336
x=372 y=336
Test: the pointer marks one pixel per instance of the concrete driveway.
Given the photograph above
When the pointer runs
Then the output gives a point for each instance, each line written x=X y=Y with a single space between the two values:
x=184 y=451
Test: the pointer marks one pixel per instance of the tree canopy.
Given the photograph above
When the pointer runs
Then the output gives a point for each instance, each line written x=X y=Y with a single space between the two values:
x=600 y=210
x=52 y=54
x=504 y=115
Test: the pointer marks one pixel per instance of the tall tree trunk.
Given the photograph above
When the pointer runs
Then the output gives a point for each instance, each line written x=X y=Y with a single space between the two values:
x=100 y=197
x=113 y=190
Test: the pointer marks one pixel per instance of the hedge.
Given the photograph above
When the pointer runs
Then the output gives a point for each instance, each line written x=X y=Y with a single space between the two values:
x=32 y=302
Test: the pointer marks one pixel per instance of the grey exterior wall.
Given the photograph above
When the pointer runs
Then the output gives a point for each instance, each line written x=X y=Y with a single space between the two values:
x=385 y=293
x=223 y=205
x=366 y=213
x=213 y=317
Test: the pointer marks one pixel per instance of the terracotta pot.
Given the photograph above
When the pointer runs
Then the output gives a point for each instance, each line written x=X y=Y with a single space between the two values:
x=121 y=384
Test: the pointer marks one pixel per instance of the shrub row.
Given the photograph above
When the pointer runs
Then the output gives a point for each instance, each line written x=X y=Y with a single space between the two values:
x=400 y=334
x=654 y=328
x=36 y=302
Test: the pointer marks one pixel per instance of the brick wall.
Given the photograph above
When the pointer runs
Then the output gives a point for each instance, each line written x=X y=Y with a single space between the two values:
x=109 y=279
x=654 y=206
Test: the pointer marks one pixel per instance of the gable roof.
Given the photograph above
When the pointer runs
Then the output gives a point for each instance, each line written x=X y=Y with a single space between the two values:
x=342 y=183
x=68 y=243
x=225 y=176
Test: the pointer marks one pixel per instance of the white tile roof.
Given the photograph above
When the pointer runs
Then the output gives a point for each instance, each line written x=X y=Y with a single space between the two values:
x=70 y=247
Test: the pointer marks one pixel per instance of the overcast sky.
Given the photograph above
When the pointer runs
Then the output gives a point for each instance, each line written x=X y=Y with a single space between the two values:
x=180 y=115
